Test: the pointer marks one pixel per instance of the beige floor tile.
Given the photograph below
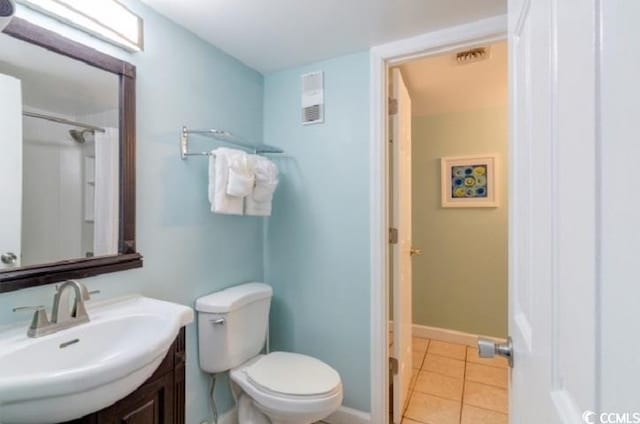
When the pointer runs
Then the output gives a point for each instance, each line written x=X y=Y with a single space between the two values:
x=486 y=397
x=498 y=361
x=433 y=410
x=414 y=378
x=418 y=358
x=450 y=350
x=439 y=385
x=406 y=420
x=443 y=365
x=420 y=344
x=473 y=415
x=419 y=350
x=493 y=376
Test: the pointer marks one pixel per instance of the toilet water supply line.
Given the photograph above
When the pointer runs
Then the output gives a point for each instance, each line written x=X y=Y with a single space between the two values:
x=212 y=389
x=212 y=399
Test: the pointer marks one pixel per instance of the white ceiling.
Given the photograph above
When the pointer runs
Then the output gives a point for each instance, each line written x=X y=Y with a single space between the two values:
x=438 y=84
x=56 y=83
x=270 y=35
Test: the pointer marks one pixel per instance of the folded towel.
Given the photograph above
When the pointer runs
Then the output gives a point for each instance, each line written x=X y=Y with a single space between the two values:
x=258 y=203
x=221 y=202
x=241 y=177
x=212 y=178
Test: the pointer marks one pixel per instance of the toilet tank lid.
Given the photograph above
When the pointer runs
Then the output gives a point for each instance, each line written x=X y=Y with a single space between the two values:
x=234 y=297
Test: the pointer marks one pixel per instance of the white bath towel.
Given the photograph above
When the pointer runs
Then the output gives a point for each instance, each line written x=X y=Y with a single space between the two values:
x=221 y=202
x=259 y=202
x=241 y=176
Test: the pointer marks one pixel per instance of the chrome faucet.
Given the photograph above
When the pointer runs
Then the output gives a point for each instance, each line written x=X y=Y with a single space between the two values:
x=61 y=316
x=60 y=312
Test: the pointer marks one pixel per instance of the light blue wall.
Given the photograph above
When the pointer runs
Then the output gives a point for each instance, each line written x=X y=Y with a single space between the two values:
x=317 y=241
x=314 y=249
x=188 y=251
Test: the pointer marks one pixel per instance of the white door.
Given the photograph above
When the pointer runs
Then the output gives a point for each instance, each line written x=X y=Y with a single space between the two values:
x=401 y=251
x=553 y=188
x=10 y=170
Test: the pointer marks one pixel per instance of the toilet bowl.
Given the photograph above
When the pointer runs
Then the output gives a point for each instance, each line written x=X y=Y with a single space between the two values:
x=273 y=388
x=288 y=388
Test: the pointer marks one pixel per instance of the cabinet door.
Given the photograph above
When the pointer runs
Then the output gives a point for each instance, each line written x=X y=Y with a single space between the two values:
x=151 y=404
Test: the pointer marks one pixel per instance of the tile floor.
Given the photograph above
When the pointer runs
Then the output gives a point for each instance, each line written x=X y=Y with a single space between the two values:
x=452 y=385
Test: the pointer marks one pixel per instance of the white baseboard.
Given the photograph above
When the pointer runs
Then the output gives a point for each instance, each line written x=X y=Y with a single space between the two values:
x=343 y=415
x=346 y=415
x=450 y=336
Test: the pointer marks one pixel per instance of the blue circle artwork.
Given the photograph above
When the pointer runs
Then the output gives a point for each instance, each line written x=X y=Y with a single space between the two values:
x=469 y=181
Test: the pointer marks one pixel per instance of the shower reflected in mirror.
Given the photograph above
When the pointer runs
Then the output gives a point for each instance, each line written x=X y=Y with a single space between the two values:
x=61 y=142
x=80 y=136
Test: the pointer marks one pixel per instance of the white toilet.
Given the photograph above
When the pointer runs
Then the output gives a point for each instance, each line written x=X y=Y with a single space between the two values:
x=276 y=388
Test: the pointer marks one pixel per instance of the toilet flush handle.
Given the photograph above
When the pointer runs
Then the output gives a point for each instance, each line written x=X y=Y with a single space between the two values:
x=217 y=321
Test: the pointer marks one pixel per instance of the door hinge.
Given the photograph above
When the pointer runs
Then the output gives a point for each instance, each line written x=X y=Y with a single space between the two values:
x=393 y=365
x=393 y=106
x=393 y=236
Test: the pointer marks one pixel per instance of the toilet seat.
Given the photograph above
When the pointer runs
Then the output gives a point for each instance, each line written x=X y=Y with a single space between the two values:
x=293 y=374
x=296 y=408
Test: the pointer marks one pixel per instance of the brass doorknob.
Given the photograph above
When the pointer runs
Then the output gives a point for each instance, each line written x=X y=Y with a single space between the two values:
x=415 y=251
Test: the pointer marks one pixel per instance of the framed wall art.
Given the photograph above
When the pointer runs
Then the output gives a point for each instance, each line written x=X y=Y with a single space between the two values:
x=469 y=181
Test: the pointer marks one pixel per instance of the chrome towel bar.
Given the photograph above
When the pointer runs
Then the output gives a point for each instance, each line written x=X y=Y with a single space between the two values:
x=225 y=137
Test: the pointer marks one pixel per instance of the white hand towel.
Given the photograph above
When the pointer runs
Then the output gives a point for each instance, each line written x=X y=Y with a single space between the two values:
x=212 y=179
x=241 y=176
x=221 y=202
x=259 y=202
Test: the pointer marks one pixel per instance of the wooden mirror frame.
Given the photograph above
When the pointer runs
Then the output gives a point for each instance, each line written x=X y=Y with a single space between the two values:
x=127 y=257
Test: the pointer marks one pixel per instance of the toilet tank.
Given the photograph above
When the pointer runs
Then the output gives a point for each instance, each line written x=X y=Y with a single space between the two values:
x=232 y=325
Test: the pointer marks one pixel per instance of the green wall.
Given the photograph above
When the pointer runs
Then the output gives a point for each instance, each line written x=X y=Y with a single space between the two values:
x=460 y=282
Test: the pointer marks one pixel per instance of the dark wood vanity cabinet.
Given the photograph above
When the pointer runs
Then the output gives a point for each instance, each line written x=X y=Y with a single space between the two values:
x=160 y=400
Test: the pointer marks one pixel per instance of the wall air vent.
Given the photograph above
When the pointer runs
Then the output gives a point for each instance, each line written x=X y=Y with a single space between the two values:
x=471 y=56
x=312 y=98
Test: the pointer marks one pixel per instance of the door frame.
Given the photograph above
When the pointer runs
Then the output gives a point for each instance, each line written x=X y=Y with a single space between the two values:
x=484 y=31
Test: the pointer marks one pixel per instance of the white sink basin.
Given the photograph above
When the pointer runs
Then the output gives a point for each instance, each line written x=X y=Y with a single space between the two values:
x=81 y=370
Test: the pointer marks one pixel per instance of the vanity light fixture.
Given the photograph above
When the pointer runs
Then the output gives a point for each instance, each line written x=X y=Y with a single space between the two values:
x=7 y=10
x=108 y=20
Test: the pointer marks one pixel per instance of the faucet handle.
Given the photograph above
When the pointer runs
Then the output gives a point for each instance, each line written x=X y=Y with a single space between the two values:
x=29 y=308
x=39 y=319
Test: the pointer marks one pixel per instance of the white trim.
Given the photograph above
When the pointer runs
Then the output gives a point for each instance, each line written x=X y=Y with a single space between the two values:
x=453 y=38
x=379 y=253
x=343 y=415
x=346 y=415
x=483 y=31
x=449 y=336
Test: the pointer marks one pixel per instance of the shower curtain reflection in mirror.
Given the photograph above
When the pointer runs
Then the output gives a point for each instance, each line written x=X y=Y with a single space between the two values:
x=60 y=157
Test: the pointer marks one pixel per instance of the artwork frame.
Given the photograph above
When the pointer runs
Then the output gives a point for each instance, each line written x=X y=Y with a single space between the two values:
x=469 y=181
